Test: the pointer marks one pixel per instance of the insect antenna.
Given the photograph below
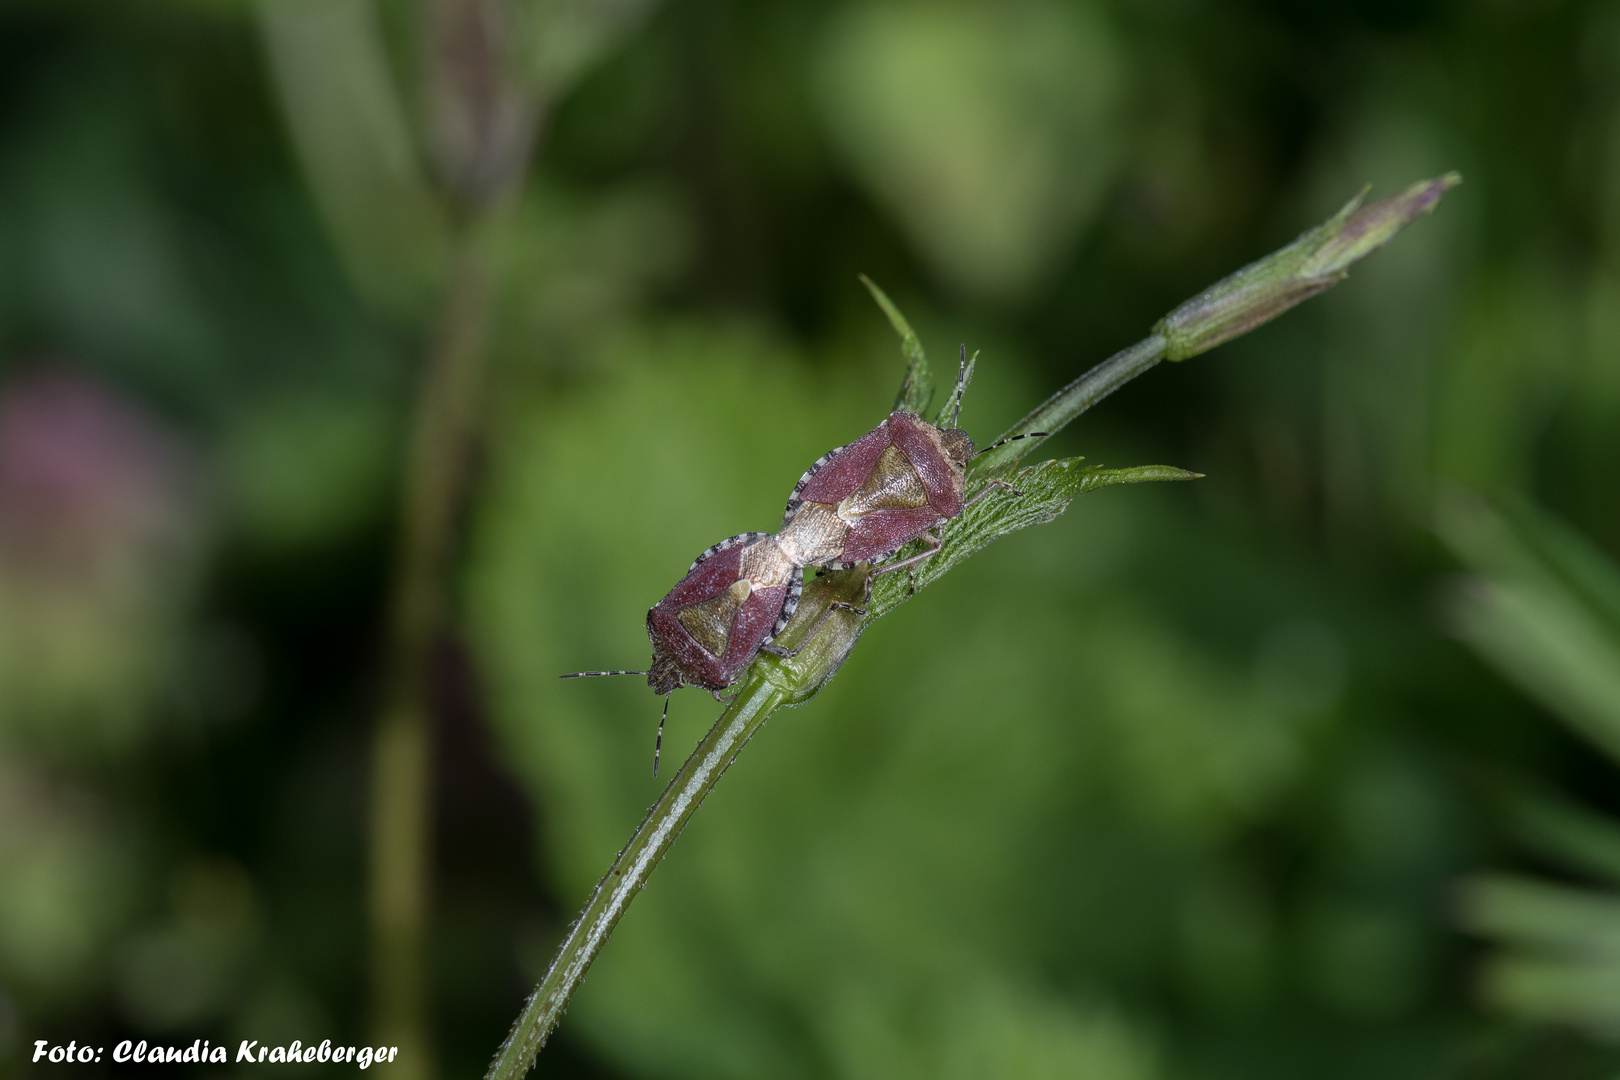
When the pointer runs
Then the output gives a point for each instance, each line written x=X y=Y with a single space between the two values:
x=1013 y=438
x=658 y=740
x=597 y=674
x=964 y=375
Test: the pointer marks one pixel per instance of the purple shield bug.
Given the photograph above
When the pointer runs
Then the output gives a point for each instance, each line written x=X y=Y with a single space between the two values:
x=735 y=598
x=865 y=501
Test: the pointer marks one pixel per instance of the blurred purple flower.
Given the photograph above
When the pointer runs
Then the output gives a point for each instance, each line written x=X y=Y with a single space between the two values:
x=85 y=475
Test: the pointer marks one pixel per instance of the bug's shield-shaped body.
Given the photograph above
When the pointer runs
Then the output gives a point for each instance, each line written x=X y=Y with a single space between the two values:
x=867 y=500
x=736 y=597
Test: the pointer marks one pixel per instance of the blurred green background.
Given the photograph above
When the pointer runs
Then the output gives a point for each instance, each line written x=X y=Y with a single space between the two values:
x=1305 y=769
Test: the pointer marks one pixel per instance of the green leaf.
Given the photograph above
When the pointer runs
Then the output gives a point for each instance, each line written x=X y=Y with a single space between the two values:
x=1543 y=610
x=1565 y=960
x=1043 y=492
x=917 y=389
x=1573 y=991
x=825 y=628
x=1570 y=833
x=1554 y=641
x=1545 y=917
x=1581 y=566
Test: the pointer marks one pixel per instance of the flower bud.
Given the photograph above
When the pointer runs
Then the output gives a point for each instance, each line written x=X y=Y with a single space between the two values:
x=1318 y=260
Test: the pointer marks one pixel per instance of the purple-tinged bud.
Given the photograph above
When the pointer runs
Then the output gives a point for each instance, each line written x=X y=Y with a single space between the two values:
x=1318 y=260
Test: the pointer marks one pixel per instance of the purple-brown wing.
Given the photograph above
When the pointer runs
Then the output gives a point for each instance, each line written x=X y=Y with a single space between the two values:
x=754 y=621
x=933 y=467
x=697 y=666
x=884 y=532
x=715 y=571
x=710 y=577
x=848 y=469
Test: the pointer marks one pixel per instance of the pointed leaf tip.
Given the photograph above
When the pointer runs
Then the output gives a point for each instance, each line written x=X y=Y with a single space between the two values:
x=917 y=389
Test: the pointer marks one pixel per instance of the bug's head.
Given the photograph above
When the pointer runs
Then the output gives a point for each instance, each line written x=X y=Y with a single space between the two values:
x=957 y=445
x=663 y=675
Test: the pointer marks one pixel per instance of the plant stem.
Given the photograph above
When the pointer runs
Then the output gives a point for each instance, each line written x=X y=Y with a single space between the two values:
x=756 y=699
x=1081 y=394
x=769 y=684
x=401 y=793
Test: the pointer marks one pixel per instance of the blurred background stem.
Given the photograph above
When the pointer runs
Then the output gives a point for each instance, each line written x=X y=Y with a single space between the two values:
x=401 y=803
x=417 y=206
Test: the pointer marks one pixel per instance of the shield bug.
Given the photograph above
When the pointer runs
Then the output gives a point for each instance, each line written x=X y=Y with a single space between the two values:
x=863 y=502
x=735 y=598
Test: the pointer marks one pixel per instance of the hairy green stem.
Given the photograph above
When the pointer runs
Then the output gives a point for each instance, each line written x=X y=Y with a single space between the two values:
x=769 y=684
x=755 y=701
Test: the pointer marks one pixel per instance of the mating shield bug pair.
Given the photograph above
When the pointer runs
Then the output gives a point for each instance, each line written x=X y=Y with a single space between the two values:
x=857 y=504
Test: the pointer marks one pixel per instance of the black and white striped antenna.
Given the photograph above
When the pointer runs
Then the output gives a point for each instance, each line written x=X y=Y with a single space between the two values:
x=658 y=740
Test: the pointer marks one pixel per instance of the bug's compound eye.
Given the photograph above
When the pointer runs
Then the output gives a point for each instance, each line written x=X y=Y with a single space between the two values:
x=958 y=445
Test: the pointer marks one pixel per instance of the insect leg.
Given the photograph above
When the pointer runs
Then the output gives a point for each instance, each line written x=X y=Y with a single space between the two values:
x=987 y=489
x=906 y=564
x=788 y=654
